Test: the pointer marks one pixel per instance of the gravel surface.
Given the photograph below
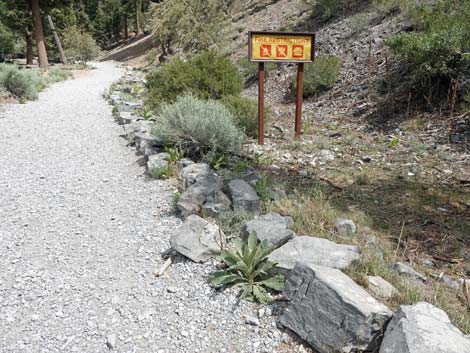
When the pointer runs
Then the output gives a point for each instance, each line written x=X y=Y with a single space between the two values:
x=82 y=232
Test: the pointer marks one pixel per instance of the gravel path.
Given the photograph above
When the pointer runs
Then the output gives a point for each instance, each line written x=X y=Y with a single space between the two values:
x=81 y=233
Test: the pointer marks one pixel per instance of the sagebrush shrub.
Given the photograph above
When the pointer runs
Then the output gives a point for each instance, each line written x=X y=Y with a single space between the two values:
x=17 y=82
x=245 y=113
x=320 y=75
x=26 y=83
x=198 y=127
x=205 y=76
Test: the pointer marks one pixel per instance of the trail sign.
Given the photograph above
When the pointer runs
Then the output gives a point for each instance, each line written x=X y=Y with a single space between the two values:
x=280 y=47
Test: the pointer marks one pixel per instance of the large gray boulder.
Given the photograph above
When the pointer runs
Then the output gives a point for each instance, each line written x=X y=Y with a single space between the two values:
x=140 y=126
x=423 y=328
x=147 y=143
x=192 y=200
x=216 y=204
x=158 y=161
x=314 y=251
x=194 y=173
x=197 y=239
x=244 y=197
x=331 y=312
x=271 y=227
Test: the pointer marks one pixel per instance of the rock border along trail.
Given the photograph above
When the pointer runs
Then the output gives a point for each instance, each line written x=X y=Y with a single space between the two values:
x=81 y=233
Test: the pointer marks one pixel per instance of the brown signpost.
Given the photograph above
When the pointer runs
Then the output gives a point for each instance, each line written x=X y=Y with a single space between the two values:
x=280 y=47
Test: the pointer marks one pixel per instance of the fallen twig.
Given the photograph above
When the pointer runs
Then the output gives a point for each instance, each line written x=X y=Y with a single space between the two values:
x=164 y=267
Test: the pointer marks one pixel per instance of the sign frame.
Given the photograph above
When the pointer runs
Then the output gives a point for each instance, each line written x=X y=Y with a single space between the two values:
x=291 y=34
x=300 y=79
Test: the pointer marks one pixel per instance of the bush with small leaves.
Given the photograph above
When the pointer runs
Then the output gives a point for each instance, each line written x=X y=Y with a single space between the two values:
x=436 y=55
x=205 y=76
x=198 y=127
x=79 y=45
x=249 y=268
x=320 y=75
x=245 y=113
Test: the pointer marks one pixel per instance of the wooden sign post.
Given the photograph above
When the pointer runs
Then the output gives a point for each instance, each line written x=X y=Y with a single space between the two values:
x=280 y=47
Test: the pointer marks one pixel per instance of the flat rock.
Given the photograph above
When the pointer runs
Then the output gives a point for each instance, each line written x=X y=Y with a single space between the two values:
x=423 y=328
x=271 y=227
x=331 y=312
x=314 y=251
x=244 y=197
x=197 y=239
x=407 y=271
x=380 y=287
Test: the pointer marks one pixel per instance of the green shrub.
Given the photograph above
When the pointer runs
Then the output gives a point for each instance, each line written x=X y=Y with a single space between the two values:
x=26 y=83
x=245 y=113
x=249 y=70
x=320 y=75
x=326 y=9
x=205 y=76
x=79 y=45
x=439 y=52
x=198 y=126
x=250 y=269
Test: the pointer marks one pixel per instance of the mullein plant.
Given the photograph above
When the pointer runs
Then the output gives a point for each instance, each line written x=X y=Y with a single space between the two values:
x=249 y=268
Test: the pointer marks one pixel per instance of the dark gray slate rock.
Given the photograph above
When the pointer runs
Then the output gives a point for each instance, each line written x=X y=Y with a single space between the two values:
x=193 y=173
x=314 y=251
x=129 y=106
x=158 y=161
x=244 y=197
x=271 y=227
x=407 y=271
x=181 y=164
x=128 y=118
x=197 y=239
x=250 y=175
x=423 y=328
x=331 y=312
x=147 y=144
x=140 y=126
x=216 y=204
x=192 y=200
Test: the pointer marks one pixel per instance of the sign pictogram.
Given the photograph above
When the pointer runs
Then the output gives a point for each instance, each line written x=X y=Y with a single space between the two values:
x=298 y=51
x=265 y=51
x=281 y=51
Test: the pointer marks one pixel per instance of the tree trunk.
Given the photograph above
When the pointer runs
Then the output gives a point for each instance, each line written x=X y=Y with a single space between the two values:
x=42 y=54
x=137 y=4
x=29 y=49
x=126 y=27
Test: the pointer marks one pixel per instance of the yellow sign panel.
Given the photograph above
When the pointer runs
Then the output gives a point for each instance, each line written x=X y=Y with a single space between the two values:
x=282 y=47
